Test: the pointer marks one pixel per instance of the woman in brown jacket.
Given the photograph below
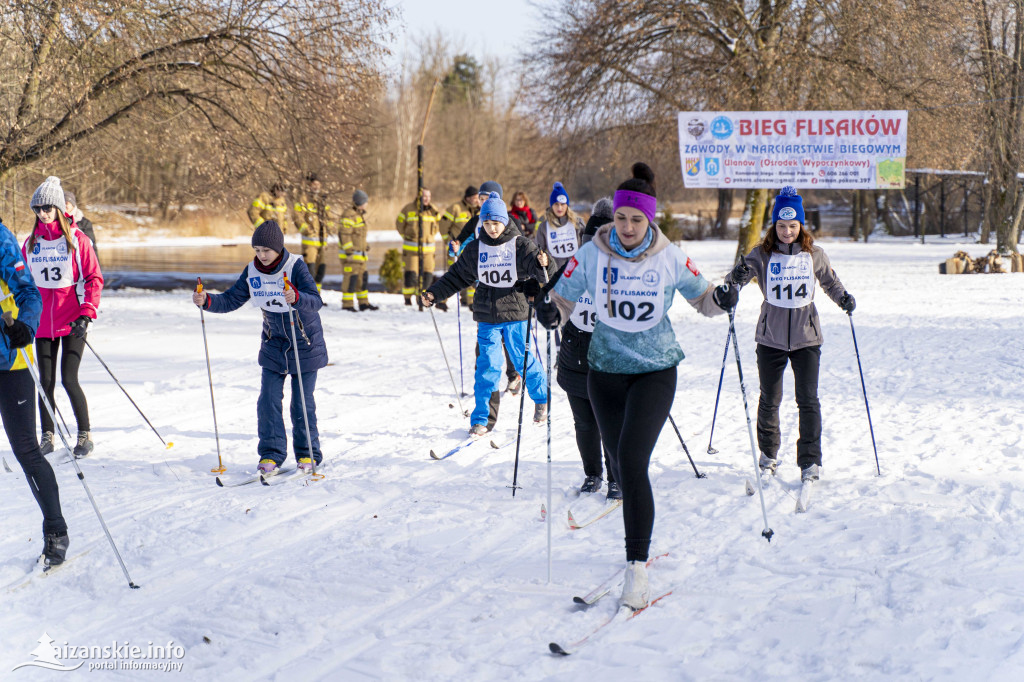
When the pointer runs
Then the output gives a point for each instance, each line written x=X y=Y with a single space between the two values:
x=786 y=264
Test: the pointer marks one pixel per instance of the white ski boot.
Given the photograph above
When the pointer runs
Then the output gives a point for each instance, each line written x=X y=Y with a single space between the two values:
x=635 y=591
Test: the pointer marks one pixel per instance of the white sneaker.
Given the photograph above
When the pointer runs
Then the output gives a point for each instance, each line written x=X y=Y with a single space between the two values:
x=635 y=590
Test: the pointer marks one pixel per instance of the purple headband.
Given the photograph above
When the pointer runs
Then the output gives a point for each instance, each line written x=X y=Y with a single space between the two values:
x=644 y=203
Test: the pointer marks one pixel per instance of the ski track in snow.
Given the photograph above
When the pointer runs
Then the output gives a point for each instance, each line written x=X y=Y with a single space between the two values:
x=399 y=567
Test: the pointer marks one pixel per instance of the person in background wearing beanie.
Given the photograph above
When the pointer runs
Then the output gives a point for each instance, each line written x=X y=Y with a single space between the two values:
x=272 y=205
x=453 y=220
x=81 y=222
x=573 y=369
x=560 y=232
x=353 y=251
x=498 y=259
x=469 y=232
x=521 y=211
x=262 y=284
x=786 y=264
x=64 y=267
x=22 y=305
x=631 y=272
x=408 y=225
x=313 y=214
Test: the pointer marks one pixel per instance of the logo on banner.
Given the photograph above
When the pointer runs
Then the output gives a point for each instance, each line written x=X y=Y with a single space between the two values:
x=712 y=166
x=775 y=268
x=788 y=213
x=721 y=128
x=692 y=166
x=256 y=282
x=696 y=128
x=615 y=275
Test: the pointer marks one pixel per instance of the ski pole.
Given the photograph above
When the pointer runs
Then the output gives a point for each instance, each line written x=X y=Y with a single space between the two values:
x=298 y=375
x=465 y=412
x=462 y=377
x=714 y=416
x=167 y=445
x=9 y=320
x=220 y=469
x=767 y=532
x=685 y=449
x=522 y=400
x=863 y=388
x=548 y=519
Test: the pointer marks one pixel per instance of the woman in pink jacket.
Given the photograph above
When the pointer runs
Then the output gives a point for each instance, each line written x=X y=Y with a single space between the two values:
x=64 y=268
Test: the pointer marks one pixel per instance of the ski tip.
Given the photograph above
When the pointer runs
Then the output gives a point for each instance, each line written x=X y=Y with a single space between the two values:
x=220 y=483
x=263 y=480
x=579 y=600
x=749 y=487
x=433 y=455
x=495 y=445
x=557 y=649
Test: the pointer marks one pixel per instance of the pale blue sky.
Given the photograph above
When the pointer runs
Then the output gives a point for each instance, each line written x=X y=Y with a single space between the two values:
x=482 y=28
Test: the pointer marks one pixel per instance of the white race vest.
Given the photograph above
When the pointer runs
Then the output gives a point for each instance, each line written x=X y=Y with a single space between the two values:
x=637 y=291
x=496 y=265
x=584 y=315
x=50 y=263
x=562 y=242
x=267 y=291
x=790 y=280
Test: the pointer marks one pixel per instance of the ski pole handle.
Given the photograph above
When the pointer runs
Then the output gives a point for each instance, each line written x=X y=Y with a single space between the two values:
x=199 y=285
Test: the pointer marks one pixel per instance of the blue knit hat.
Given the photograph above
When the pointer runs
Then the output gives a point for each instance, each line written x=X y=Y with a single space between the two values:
x=489 y=187
x=788 y=206
x=558 y=195
x=494 y=209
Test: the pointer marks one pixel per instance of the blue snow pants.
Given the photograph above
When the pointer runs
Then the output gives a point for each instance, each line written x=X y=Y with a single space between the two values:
x=270 y=417
x=491 y=364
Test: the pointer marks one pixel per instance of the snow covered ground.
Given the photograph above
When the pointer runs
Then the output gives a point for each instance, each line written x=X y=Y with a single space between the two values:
x=399 y=567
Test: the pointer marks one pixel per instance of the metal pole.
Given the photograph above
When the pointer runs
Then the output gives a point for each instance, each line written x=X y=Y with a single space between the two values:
x=298 y=375
x=220 y=462
x=942 y=207
x=878 y=467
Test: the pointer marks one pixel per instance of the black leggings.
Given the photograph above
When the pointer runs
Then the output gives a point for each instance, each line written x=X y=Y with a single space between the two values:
x=19 y=417
x=588 y=438
x=71 y=350
x=771 y=365
x=631 y=410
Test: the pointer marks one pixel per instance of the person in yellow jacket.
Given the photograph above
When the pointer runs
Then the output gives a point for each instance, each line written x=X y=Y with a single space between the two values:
x=313 y=215
x=407 y=224
x=453 y=220
x=272 y=205
x=353 y=251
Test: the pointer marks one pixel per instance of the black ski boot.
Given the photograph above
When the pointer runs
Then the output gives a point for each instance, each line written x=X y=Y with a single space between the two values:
x=591 y=485
x=55 y=549
x=614 y=491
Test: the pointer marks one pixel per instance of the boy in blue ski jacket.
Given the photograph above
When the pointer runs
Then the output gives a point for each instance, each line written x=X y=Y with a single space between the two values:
x=500 y=259
x=262 y=284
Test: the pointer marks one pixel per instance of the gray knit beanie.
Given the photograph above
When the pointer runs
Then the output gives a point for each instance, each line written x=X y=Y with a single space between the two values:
x=49 y=193
x=269 y=236
x=359 y=197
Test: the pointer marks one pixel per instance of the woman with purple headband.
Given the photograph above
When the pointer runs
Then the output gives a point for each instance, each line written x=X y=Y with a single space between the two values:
x=631 y=271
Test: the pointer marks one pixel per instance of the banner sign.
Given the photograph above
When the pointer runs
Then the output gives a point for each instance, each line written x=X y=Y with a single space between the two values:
x=813 y=149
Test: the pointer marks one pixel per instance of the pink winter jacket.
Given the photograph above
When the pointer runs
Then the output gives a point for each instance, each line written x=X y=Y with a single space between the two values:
x=61 y=306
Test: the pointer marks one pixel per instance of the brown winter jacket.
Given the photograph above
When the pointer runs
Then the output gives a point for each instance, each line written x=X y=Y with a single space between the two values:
x=788 y=328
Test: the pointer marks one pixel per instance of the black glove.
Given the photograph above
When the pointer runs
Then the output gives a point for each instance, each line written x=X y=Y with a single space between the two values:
x=79 y=326
x=741 y=273
x=847 y=303
x=19 y=334
x=726 y=297
x=547 y=314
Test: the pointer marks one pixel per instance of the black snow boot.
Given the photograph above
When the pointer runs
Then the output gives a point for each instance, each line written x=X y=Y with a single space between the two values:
x=591 y=485
x=55 y=549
